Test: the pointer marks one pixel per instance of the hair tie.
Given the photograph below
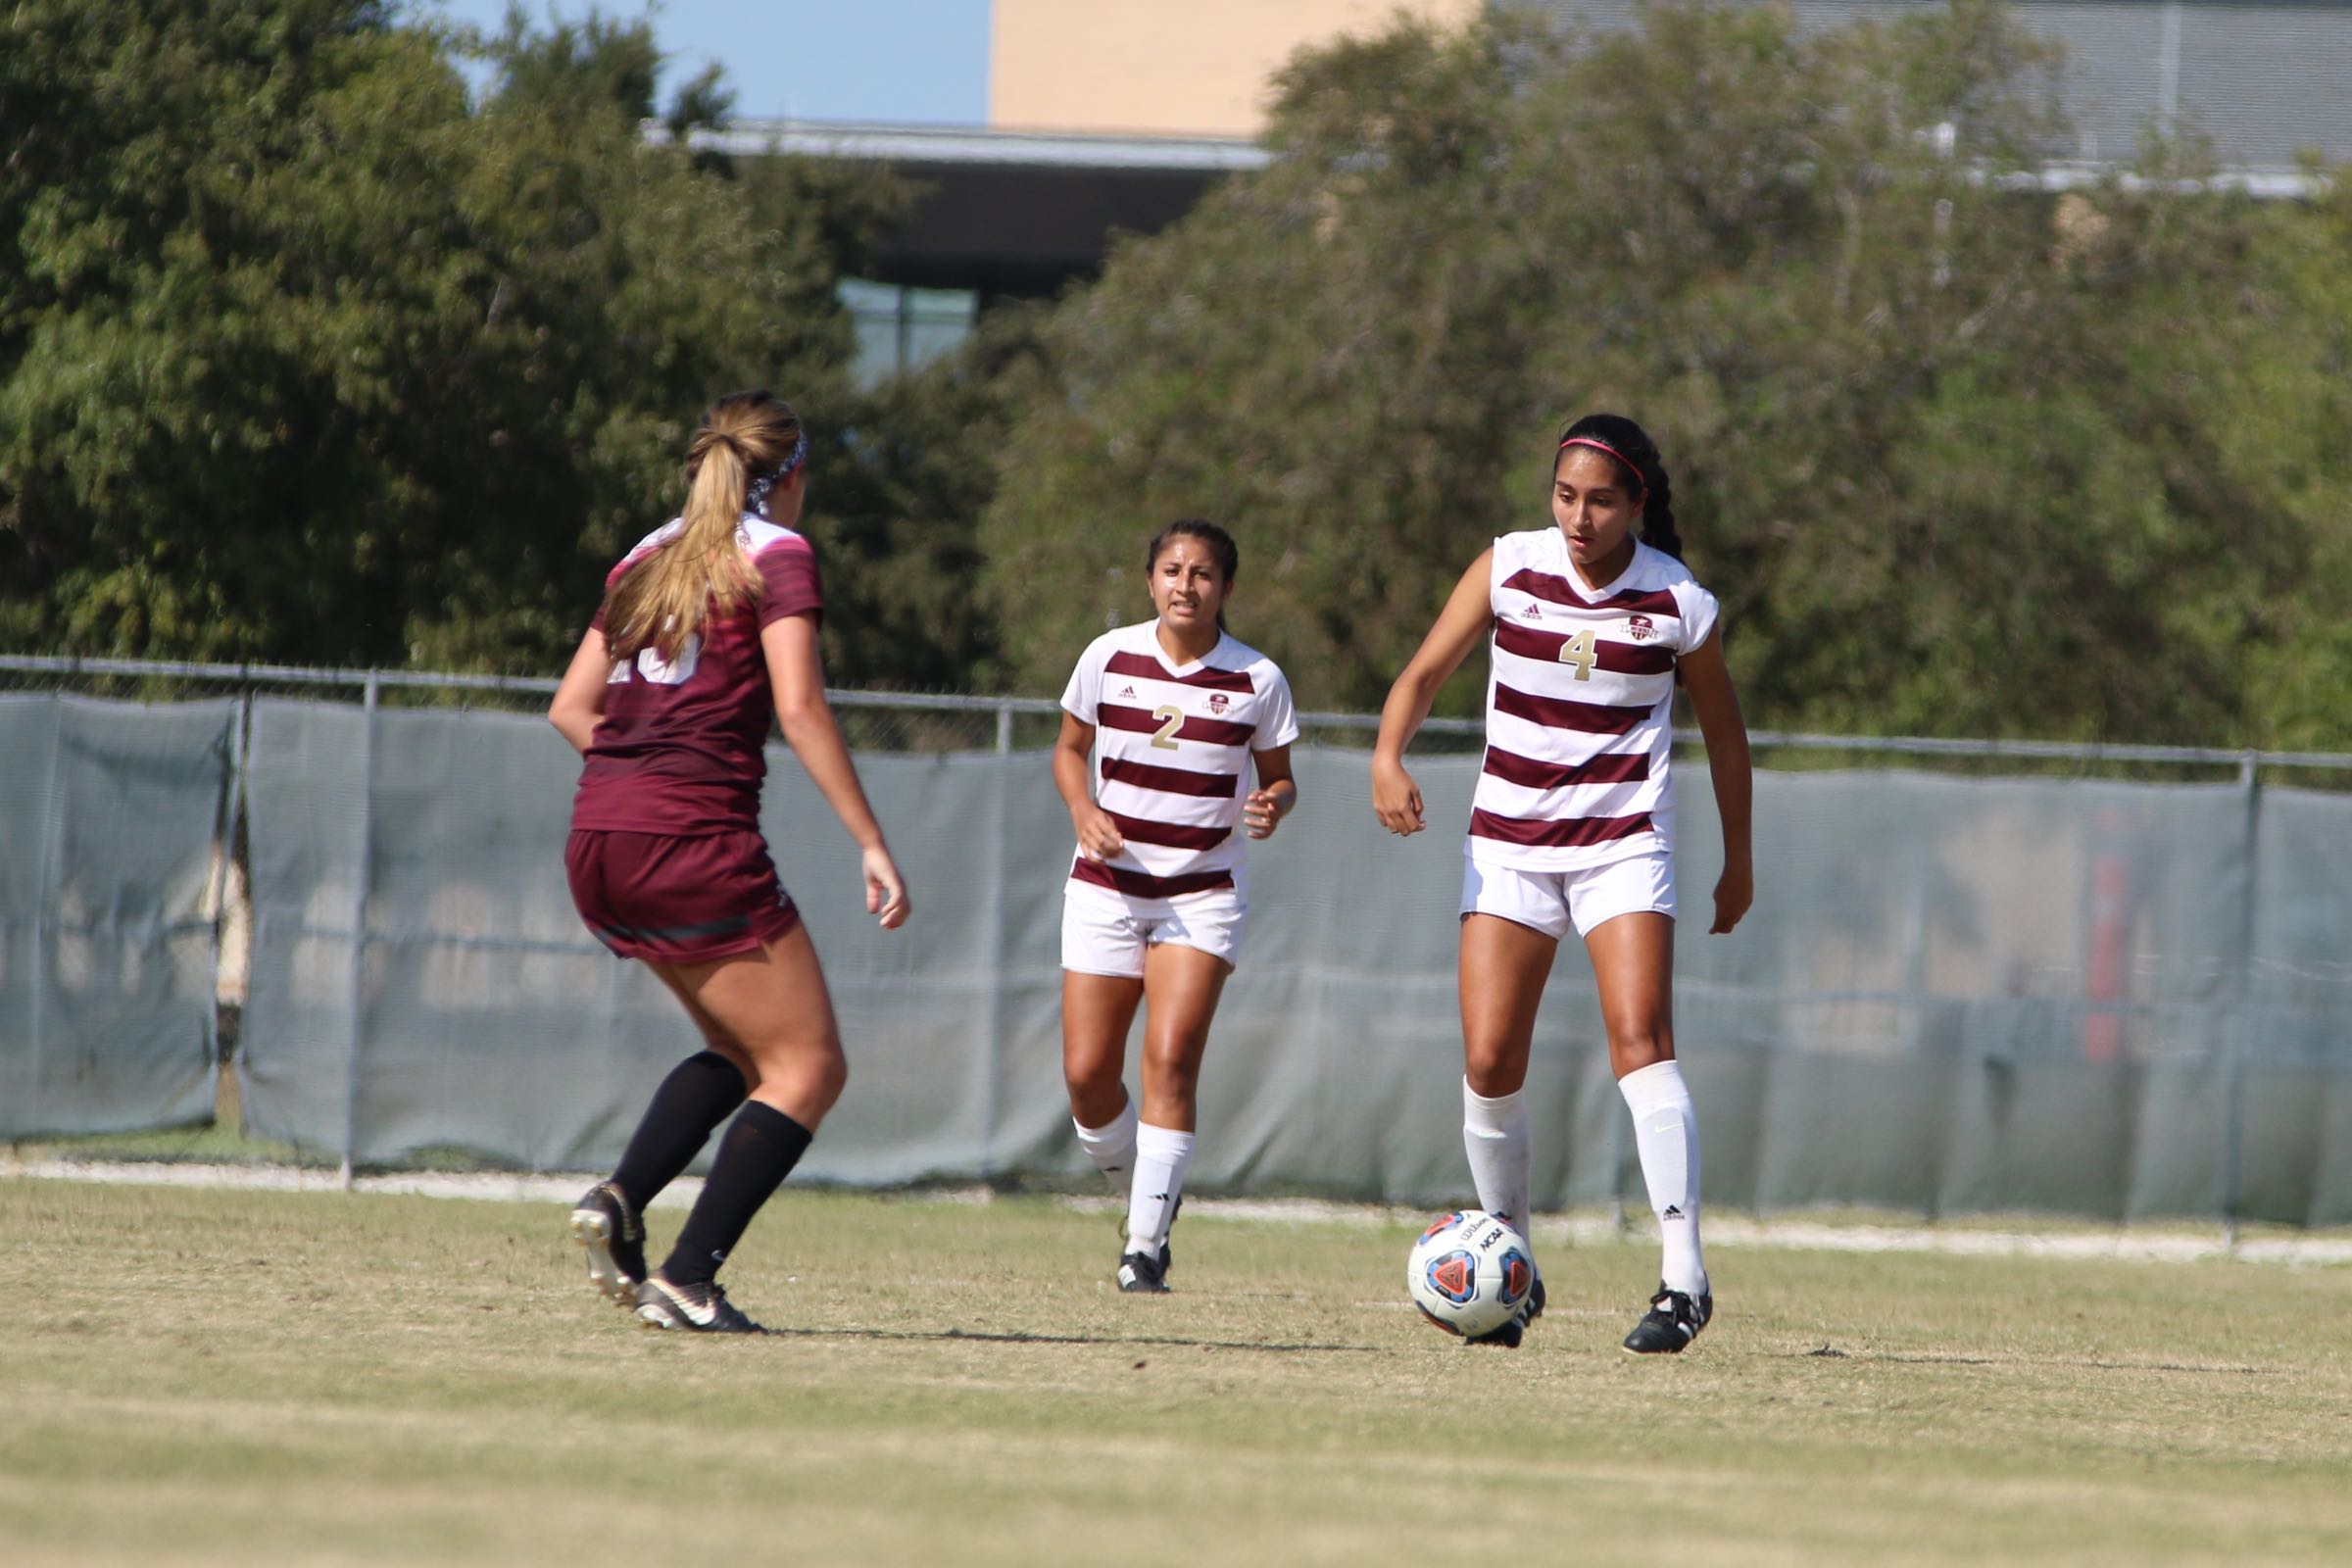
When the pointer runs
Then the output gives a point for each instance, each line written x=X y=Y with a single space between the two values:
x=1641 y=485
x=755 y=496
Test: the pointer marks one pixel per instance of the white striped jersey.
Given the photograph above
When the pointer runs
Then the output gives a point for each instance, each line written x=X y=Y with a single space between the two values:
x=1172 y=745
x=1580 y=693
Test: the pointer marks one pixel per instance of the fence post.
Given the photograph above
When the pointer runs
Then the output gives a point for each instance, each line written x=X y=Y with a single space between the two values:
x=362 y=876
x=2234 y=1059
x=992 y=1091
x=44 y=918
x=224 y=878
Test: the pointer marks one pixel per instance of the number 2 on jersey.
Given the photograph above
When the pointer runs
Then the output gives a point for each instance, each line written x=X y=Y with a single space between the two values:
x=1171 y=720
x=1578 y=650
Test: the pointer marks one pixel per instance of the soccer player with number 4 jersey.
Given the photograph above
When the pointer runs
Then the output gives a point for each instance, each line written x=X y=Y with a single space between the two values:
x=1593 y=627
x=1162 y=725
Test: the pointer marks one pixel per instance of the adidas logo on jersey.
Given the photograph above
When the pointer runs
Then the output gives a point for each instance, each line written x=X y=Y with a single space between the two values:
x=1531 y=613
x=1126 y=691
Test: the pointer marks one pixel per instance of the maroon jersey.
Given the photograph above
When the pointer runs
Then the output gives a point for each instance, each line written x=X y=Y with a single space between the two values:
x=680 y=749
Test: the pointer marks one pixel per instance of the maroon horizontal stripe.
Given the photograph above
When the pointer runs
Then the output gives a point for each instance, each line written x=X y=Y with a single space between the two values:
x=1141 y=884
x=1614 y=768
x=1214 y=680
x=1559 y=712
x=1646 y=601
x=1169 y=835
x=1207 y=731
x=1618 y=658
x=1559 y=833
x=1554 y=589
x=1172 y=780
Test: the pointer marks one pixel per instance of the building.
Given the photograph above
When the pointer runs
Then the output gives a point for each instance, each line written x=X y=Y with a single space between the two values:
x=1114 y=116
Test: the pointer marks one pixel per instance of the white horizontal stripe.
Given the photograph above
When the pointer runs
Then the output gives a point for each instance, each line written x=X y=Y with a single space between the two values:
x=1162 y=859
x=1542 y=743
x=1507 y=799
x=1159 y=806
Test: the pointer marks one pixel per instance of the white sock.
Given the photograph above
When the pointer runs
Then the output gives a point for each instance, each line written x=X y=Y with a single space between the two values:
x=1160 y=1155
x=1112 y=1148
x=1496 y=1137
x=1666 y=1134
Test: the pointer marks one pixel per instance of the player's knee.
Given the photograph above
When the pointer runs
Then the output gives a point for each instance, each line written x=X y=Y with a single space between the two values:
x=1175 y=1069
x=1493 y=1070
x=1632 y=1049
x=833 y=1074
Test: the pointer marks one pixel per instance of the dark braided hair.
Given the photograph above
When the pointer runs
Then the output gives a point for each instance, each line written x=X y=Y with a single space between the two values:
x=1221 y=547
x=1636 y=455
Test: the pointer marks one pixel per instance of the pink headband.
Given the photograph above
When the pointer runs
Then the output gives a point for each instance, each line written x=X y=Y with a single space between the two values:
x=1640 y=486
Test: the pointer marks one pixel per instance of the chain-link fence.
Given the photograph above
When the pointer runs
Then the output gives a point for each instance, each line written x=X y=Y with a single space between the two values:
x=2084 y=993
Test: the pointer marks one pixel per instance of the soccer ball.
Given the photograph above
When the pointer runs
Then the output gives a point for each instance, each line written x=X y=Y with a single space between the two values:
x=1470 y=1272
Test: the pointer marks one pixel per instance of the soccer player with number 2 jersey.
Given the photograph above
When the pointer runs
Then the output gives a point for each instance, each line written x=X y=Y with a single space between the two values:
x=1593 y=627
x=1163 y=724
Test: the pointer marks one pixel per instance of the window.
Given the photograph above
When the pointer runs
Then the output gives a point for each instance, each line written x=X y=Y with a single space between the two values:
x=901 y=329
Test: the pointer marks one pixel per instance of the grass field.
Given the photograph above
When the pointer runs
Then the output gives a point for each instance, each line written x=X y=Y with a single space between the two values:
x=219 y=1377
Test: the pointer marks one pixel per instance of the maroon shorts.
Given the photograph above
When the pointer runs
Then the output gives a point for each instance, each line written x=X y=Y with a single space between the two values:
x=672 y=900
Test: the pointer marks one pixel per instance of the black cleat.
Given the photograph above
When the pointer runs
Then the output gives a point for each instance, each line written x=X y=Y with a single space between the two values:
x=1168 y=1250
x=614 y=1237
x=1141 y=1274
x=1672 y=1322
x=1509 y=1336
x=696 y=1309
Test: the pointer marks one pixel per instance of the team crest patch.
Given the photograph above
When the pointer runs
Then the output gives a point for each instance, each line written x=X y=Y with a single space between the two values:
x=1641 y=629
x=1218 y=702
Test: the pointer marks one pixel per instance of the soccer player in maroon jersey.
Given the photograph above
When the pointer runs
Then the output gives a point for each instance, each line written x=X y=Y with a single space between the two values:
x=707 y=627
x=1161 y=727
x=1593 y=627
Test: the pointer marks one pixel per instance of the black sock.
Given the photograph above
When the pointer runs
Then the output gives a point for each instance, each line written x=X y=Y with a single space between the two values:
x=699 y=1094
x=758 y=1151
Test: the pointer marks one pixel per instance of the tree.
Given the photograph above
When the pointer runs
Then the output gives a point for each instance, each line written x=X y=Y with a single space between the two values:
x=306 y=357
x=1948 y=448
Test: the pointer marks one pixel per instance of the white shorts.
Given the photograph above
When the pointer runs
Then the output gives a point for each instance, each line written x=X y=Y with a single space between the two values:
x=1551 y=901
x=1104 y=933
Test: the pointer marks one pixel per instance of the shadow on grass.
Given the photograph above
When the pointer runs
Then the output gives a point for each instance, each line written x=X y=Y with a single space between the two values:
x=1016 y=1337
x=2079 y=1363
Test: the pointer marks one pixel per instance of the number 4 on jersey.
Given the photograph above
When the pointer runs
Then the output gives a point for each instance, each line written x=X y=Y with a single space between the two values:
x=1578 y=650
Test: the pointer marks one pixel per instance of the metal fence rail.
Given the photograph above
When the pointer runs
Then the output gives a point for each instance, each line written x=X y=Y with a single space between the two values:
x=997 y=716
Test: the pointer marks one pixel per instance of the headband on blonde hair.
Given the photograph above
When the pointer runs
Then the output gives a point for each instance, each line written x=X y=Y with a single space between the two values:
x=1641 y=485
x=755 y=497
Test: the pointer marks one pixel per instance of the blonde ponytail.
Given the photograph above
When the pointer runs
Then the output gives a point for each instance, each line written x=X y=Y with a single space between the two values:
x=747 y=438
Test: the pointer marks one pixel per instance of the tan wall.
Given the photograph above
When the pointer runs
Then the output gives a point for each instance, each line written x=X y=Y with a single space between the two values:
x=1196 y=67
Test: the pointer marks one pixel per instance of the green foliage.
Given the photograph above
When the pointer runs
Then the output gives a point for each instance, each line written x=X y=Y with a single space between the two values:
x=305 y=356
x=1958 y=457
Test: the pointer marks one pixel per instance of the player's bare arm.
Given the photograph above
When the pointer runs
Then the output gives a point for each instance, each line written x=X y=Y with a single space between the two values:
x=579 y=700
x=1276 y=795
x=796 y=674
x=1395 y=797
x=1709 y=682
x=1097 y=835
